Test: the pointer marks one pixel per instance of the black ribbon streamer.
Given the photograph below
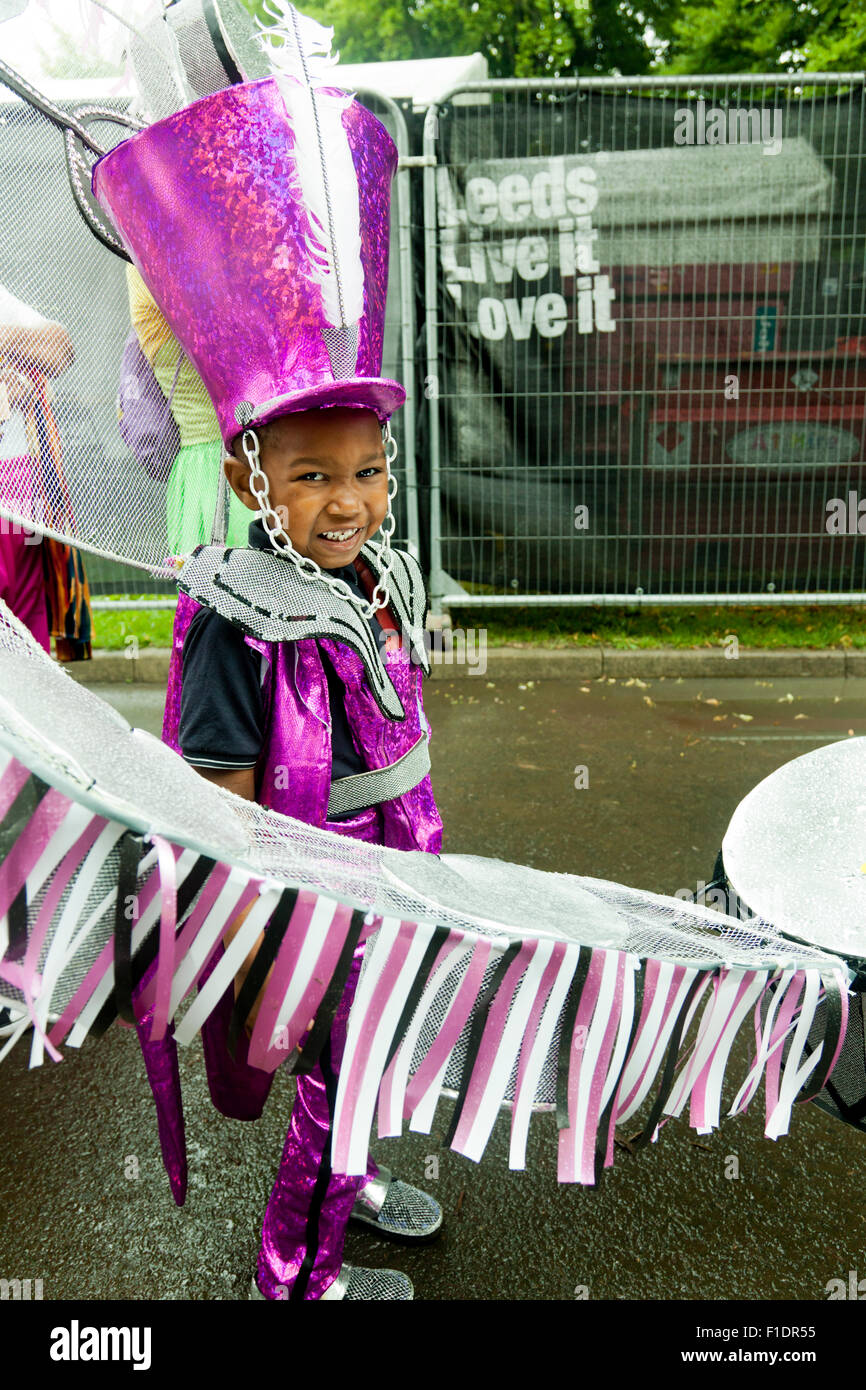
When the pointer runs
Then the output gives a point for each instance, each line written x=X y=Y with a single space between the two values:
x=324 y=1019
x=832 y=1033
x=569 y=1014
x=265 y=957
x=479 y=1023
x=145 y=955
x=131 y=853
x=437 y=940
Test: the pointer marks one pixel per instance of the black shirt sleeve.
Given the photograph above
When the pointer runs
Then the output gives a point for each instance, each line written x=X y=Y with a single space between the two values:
x=221 y=706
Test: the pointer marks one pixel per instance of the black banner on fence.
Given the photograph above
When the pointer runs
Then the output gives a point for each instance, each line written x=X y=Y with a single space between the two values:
x=652 y=341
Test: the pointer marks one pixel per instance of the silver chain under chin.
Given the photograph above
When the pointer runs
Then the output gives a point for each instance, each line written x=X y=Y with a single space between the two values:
x=307 y=568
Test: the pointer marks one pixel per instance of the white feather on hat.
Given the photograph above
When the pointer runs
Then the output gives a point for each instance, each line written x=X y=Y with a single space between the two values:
x=303 y=66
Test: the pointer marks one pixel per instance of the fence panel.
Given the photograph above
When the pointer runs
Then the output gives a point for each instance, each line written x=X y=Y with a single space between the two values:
x=646 y=339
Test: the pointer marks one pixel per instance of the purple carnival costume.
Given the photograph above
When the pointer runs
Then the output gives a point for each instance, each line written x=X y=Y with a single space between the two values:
x=491 y=982
x=258 y=218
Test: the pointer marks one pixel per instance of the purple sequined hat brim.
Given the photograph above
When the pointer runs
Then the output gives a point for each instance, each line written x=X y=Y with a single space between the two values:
x=361 y=393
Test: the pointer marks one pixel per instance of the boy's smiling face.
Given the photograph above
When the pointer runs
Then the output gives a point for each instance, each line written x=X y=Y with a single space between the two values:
x=327 y=472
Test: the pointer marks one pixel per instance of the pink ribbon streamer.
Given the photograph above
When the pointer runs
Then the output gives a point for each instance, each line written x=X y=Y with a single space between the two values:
x=216 y=881
x=785 y=1016
x=452 y=1026
x=392 y=1096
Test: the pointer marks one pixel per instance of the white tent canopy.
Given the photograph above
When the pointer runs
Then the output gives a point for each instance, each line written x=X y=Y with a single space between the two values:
x=425 y=80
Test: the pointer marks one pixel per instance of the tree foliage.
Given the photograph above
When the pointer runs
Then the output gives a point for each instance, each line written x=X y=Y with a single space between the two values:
x=765 y=36
x=561 y=38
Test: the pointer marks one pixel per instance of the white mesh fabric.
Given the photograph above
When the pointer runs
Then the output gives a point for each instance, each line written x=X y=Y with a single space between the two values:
x=64 y=321
x=103 y=487
x=71 y=739
x=76 y=741
x=97 y=489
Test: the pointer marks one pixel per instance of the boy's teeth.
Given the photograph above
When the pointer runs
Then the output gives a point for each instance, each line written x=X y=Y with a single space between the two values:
x=339 y=535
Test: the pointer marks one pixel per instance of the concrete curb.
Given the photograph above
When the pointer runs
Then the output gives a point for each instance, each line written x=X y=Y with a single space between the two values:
x=150 y=667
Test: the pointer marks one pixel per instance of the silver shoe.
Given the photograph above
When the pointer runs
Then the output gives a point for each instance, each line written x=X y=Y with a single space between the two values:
x=396 y=1210
x=353 y=1283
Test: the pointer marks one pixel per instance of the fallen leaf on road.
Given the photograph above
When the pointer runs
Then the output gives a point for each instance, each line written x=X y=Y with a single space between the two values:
x=785 y=699
x=719 y=718
x=801 y=716
x=710 y=701
x=648 y=701
x=746 y=718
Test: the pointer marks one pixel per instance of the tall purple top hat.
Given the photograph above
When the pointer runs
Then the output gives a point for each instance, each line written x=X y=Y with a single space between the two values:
x=258 y=218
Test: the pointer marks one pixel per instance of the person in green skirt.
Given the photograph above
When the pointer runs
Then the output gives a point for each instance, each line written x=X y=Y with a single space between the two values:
x=194 y=483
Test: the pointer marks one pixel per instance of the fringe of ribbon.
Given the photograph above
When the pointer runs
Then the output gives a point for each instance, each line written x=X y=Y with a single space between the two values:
x=621 y=1022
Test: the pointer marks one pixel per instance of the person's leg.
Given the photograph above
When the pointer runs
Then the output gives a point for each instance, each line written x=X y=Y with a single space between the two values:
x=309 y=1208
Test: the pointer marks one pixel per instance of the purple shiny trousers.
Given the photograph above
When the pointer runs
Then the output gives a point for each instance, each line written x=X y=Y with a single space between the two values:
x=309 y=1208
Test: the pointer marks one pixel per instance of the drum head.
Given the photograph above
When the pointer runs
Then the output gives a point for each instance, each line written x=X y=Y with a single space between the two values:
x=795 y=849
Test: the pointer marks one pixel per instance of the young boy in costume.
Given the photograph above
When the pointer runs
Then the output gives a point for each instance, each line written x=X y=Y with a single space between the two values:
x=297 y=662
x=297 y=742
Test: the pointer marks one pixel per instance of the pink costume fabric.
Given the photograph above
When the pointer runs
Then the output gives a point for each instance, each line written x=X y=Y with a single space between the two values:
x=306 y=1217
x=22 y=578
x=22 y=582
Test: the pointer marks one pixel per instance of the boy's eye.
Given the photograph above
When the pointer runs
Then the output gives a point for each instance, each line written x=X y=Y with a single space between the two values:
x=313 y=477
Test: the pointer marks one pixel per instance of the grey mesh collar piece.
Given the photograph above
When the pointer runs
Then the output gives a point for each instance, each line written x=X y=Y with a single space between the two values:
x=262 y=593
x=380 y=783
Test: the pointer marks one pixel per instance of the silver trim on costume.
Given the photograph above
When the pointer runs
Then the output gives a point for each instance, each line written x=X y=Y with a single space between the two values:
x=371 y=1196
x=379 y=784
x=262 y=594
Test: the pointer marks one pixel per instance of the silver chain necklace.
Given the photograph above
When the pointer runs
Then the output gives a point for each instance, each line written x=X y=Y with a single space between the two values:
x=306 y=567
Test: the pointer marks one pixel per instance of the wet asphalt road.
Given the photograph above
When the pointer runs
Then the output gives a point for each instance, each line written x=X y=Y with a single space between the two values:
x=665 y=768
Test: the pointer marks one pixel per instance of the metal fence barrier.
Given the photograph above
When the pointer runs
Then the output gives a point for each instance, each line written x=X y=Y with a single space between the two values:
x=646 y=340
x=642 y=374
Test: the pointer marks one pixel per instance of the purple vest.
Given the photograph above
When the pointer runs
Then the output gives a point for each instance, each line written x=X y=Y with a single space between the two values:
x=293 y=775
